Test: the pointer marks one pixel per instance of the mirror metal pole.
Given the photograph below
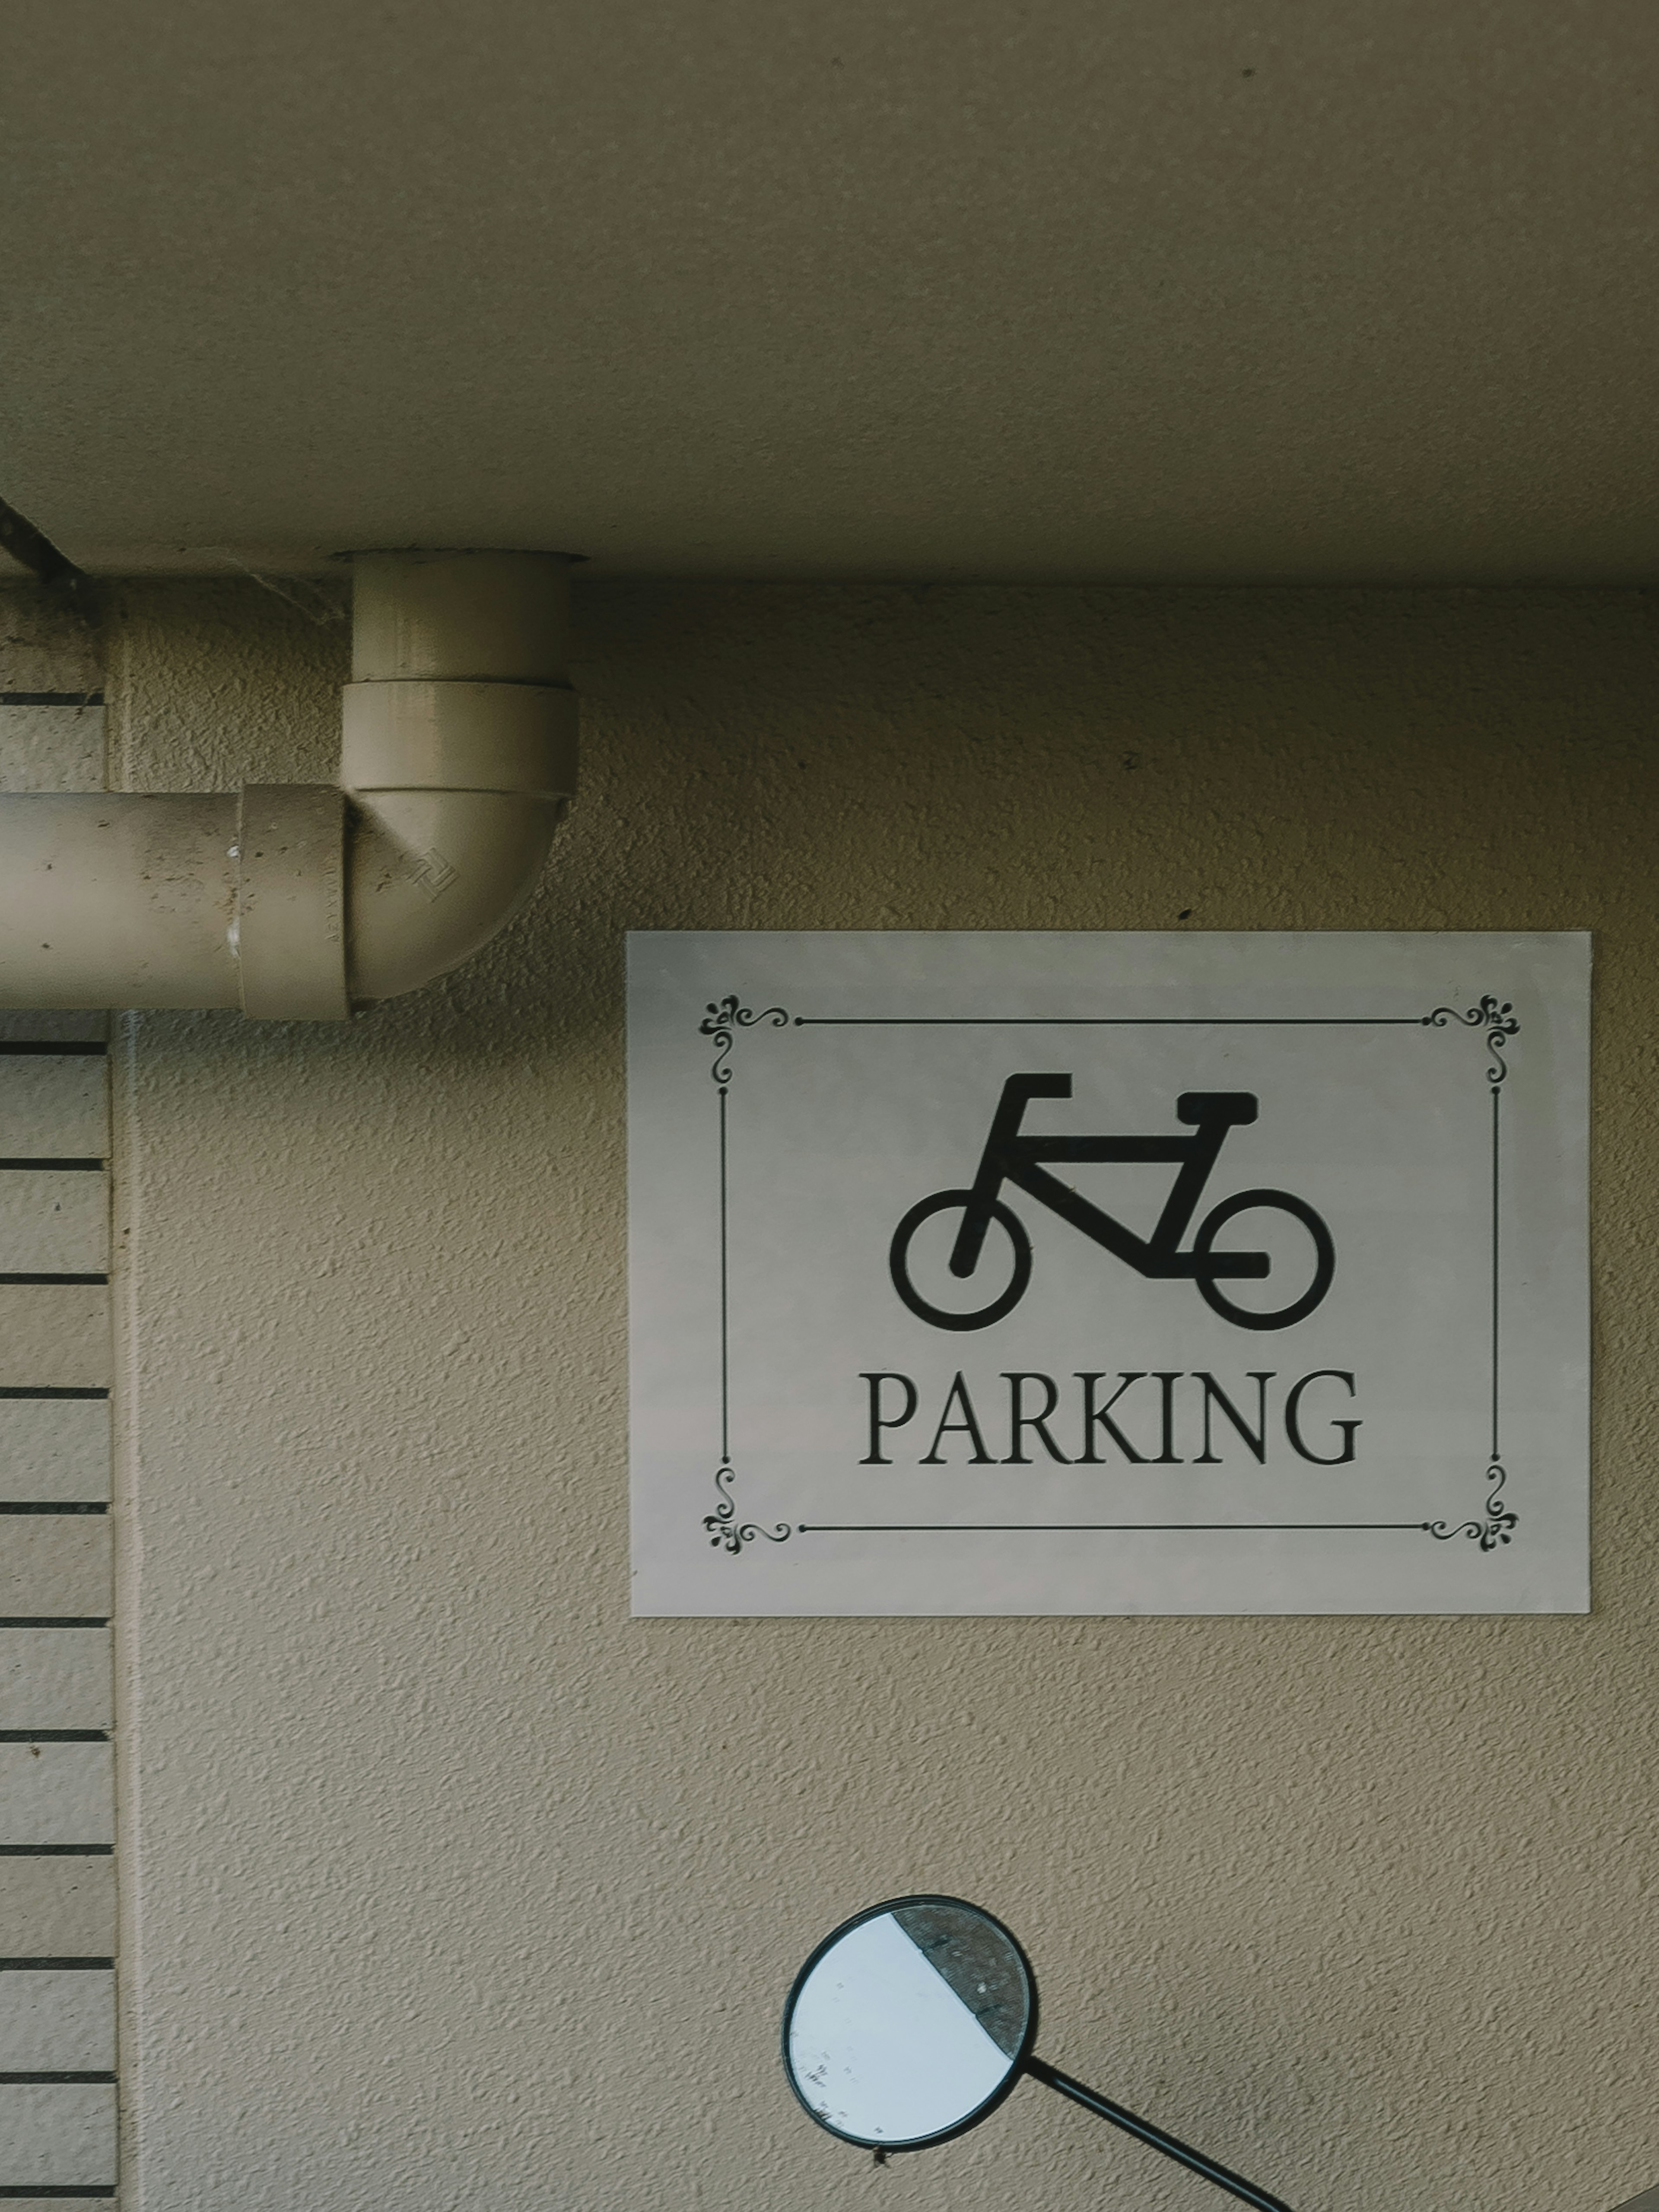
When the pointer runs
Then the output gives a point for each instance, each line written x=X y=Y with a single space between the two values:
x=1144 y=2132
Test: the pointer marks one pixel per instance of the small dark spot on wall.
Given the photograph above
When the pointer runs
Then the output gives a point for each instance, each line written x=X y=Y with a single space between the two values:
x=1132 y=760
x=1185 y=915
x=1250 y=72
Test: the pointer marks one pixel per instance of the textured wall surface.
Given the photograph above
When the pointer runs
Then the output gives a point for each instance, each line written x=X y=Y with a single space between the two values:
x=448 y=1885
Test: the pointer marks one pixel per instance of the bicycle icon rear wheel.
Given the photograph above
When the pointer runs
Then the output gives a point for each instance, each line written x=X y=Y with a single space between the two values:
x=898 y=1262
x=1276 y=1201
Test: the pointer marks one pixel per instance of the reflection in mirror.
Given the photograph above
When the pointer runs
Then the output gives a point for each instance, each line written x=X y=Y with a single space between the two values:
x=910 y=2023
x=915 y=2019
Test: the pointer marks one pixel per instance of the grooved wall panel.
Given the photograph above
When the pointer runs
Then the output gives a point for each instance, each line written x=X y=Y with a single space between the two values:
x=53 y=1105
x=54 y=1336
x=54 y=1221
x=54 y=1678
x=52 y=745
x=54 y=1565
x=56 y=1793
x=58 y=1892
x=54 y=1449
x=57 y=1907
x=57 y=2021
x=56 y=2135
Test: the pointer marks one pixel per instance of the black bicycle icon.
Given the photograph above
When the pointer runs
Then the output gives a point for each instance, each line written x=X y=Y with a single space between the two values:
x=1010 y=1158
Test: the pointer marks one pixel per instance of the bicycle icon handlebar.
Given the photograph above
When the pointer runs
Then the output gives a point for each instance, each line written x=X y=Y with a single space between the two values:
x=1011 y=1157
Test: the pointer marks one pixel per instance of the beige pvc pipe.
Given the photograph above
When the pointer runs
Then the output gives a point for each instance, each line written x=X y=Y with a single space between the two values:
x=299 y=901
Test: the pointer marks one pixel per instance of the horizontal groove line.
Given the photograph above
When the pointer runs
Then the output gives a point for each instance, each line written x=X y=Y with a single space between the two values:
x=79 y=1165
x=54 y=1736
x=58 y=2188
x=54 y=1279
x=57 y=1850
x=52 y=698
x=53 y=1049
x=56 y=1966
x=54 y=1620
x=49 y=1390
x=26 y=2081
x=42 y=1505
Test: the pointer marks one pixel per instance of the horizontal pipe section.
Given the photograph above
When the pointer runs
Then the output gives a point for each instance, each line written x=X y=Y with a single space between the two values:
x=118 y=899
x=300 y=901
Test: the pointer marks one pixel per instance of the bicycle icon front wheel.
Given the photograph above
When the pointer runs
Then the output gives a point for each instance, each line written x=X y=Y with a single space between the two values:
x=1321 y=1262
x=1013 y=1289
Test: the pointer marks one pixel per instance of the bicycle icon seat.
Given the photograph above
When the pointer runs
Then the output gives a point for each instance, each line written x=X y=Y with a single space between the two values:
x=1010 y=1157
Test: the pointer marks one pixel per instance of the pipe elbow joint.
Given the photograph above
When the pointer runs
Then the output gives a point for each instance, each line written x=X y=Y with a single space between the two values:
x=301 y=901
x=456 y=787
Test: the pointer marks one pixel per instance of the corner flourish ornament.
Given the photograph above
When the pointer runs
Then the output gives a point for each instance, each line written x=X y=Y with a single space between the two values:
x=1496 y=1018
x=723 y=1020
x=724 y=1526
x=1499 y=1525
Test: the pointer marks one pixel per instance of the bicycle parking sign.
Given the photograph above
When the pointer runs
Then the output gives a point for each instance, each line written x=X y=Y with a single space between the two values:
x=1018 y=1272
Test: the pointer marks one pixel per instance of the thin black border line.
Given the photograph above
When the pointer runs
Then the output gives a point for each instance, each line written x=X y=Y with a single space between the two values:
x=725 y=1393
x=1496 y=1029
x=1497 y=1093
x=724 y=1022
x=1107 y=1021
x=59 y=2188
x=1067 y=1528
x=41 y=1280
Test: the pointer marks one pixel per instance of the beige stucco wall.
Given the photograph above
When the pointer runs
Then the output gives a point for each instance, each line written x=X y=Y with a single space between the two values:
x=447 y=1885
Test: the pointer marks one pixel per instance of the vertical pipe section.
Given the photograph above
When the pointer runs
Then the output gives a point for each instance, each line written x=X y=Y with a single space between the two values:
x=458 y=754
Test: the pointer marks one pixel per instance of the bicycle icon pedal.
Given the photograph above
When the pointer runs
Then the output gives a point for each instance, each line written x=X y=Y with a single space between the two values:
x=1010 y=1157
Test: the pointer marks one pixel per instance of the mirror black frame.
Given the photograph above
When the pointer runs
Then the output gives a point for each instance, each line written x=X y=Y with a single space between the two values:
x=1026 y=2062
x=1016 y=2064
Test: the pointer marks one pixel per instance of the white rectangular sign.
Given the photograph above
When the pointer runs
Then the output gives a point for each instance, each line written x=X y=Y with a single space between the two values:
x=1047 y=1273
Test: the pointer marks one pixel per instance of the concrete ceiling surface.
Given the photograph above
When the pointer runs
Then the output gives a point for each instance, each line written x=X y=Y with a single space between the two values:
x=1116 y=290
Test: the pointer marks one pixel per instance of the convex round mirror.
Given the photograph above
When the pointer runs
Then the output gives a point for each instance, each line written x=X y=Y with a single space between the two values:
x=914 y=2020
x=910 y=2023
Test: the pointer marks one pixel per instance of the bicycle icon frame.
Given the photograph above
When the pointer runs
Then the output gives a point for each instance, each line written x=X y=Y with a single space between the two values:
x=1011 y=1156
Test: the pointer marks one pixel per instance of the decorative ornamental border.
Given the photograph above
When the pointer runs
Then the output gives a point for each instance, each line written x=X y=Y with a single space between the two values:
x=723 y=1023
x=725 y=1020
